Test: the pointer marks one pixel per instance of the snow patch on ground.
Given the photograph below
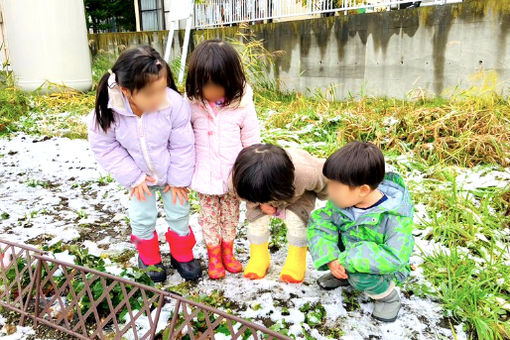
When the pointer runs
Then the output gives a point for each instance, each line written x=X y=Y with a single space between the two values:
x=14 y=332
x=53 y=190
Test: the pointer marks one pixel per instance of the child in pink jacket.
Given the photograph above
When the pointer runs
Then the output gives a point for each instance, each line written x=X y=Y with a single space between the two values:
x=140 y=132
x=224 y=122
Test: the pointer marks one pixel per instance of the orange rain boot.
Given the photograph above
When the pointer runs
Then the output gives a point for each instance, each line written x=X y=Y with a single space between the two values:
x=216 y=269
x=229 y=261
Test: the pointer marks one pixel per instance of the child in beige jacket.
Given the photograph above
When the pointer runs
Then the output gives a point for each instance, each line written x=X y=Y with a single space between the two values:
x=280 y=183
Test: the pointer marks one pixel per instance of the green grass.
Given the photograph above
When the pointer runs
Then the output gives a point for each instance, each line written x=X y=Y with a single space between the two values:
x=470 y=273
x=461 y=215
x=14 y=104
x=101 y=64
x=472 y=292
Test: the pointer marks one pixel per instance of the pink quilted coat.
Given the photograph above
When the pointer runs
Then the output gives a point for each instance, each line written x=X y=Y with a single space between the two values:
x=220 y=134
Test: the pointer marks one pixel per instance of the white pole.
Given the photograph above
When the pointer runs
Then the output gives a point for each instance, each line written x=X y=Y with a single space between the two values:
x=185 y=47
x=137 y=16
x=169 y=41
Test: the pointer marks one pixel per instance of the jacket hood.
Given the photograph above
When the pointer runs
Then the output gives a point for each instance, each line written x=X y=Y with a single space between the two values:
x=399 y=200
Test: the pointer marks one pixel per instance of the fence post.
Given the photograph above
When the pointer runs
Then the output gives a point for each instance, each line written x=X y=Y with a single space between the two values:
x=174 y=317
x=156 y=317
x=29 y=297
x=38 y=290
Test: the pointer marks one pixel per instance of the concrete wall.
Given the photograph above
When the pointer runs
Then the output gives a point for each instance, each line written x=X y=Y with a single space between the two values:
x=433 y=49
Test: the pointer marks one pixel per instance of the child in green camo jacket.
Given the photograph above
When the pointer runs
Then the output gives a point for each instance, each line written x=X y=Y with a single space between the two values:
x=364 y=233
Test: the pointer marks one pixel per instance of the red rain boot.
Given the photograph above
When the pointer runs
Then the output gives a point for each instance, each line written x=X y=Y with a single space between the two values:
x=148 y=255
x=181 y=254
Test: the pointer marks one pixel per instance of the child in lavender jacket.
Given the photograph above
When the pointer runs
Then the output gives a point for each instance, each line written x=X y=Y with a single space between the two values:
x=140 y=132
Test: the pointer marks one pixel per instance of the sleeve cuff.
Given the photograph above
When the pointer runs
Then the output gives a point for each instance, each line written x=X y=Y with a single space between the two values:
x=175 y=181
x=342 y=258
x=139 y=181
x=322 y=263
x=179 y=185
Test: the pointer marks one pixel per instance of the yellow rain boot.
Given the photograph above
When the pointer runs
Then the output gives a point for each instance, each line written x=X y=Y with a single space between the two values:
x=295 y=266
x=259 y=261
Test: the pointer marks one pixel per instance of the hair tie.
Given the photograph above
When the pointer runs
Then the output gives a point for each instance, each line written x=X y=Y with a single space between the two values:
x=112 y=81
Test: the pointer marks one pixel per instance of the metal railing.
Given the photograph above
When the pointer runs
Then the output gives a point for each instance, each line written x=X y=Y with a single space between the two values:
x=90 y=304
x=210 y=13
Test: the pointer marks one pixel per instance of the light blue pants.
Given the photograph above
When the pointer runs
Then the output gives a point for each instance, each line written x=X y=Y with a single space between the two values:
x=143 y=214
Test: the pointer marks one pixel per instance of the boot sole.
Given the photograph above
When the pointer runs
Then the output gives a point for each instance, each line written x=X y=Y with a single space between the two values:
x=254 y=276
x=230 y=270
x=217 y=277
x=386 y=320
x=158 y=280
x=155 y=280
x=331 y=287
x=189 y=278
x=233 y=271
x=289 y=279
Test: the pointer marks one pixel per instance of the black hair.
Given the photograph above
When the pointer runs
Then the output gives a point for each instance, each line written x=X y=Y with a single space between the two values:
x=134 y=69
x=356 y=164
x=218 y=62
x=263 y=173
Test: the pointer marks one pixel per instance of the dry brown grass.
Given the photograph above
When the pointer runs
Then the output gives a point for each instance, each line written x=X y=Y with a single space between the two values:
x=462 y=131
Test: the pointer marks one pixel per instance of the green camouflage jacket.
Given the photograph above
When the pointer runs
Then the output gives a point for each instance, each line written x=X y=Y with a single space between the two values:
x=379 y=241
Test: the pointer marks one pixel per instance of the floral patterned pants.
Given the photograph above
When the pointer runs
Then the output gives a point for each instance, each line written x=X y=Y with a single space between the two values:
x=219 y=217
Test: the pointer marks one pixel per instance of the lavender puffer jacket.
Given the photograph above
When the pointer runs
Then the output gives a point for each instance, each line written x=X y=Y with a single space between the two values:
x=159 y=144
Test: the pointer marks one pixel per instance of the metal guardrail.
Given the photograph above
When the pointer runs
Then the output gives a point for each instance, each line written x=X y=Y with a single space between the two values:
x=90 y=304
x=210 y=13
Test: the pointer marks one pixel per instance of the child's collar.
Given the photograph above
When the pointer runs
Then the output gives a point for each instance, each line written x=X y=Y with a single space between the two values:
x=244 y=101
x=379 y=201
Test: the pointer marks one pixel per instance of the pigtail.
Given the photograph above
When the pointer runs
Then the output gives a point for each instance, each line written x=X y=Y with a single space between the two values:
x=104 y=115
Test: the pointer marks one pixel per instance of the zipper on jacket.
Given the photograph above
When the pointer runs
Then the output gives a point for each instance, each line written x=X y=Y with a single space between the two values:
x=143 y=144
x=215 y=119
x=214 y=144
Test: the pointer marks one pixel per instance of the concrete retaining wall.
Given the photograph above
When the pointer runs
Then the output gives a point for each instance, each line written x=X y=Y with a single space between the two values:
x=433 y=49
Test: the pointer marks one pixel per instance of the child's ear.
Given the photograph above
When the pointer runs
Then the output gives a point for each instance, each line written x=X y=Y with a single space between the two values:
x=364 y=190
x=125 y=92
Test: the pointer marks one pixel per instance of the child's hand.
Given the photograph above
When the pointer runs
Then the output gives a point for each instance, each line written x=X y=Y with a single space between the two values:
x=337 y=269
x=181 y=193
x=268 y=209
x=141 y=188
